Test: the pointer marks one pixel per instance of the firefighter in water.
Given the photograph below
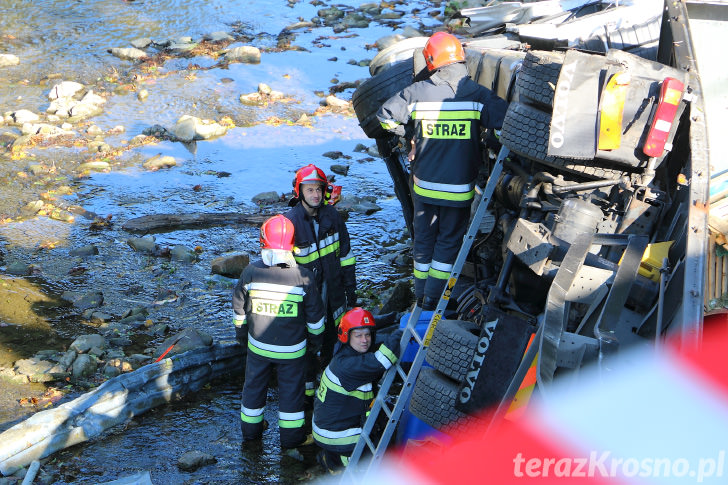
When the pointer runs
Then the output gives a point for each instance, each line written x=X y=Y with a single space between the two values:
x=278 y=303
x=443 y=116
x=323 y=247
x=347 y=386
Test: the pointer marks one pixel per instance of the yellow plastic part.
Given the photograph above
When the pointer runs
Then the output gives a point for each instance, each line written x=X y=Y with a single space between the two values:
x=652 y=259
x=610 y=124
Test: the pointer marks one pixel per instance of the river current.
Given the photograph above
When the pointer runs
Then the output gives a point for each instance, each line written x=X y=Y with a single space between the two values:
x=68 y=40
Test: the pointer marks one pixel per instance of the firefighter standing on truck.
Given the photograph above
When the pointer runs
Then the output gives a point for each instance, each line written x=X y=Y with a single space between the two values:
x=444 y=114
x=280 y=306
x=347 y=386
x=323 y=247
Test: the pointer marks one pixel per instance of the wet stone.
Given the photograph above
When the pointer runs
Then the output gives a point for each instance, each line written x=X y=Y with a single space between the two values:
x=248 y=54
x=184 y=254
x=128 y=53
x=88 y=300
x=340 y=169
x=141 y=43
x=144 y=244
x=84 y=343
x=84 y=366
x=231 y=266
x=266 y=198
x=192 y=460
x=89 y=250
x=219 y=36
x=18 y=268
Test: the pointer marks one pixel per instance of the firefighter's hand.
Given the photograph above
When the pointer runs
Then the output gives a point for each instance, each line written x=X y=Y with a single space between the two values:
x=397 y=130
x=392 y=342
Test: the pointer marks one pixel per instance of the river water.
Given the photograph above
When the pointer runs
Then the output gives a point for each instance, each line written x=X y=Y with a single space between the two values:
x=67 y=40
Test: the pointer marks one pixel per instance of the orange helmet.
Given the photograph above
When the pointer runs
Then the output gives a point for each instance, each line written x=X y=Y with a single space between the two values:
x=357 y=317
x=277 y=233
x=308 y=175
x=442 y=49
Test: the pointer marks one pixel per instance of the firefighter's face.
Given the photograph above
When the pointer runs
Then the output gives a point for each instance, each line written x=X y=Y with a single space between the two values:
x=360 y=339
x=312 y=193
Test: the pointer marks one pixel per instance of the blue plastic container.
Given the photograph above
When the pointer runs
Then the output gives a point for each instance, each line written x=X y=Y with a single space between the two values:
x=410 y=426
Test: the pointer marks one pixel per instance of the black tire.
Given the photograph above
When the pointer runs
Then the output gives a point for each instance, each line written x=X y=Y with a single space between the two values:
x=402 y=50
x=372 y=93
x=433 y=402
x=526 y=132
x=536 y=81
x=452 y=347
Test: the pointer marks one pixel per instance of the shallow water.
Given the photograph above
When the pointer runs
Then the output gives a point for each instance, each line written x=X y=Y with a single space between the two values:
x=68 y=40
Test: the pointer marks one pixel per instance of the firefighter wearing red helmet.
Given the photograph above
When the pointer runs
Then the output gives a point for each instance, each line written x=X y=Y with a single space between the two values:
x=442 y=116
x=278 y=310
x=324 y=247
x=347 y=386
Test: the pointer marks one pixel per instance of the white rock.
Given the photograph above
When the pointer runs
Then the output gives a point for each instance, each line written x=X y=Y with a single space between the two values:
x=64 y=89
x=9 y=60
x=92 y=98
x=244 y=53
x=128 y=53
x=24 y=116
x=189 y=128
x=335 y=102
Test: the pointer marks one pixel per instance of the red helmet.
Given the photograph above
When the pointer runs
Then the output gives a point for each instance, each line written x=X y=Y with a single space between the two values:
x=357 y=317
x=442 y=49
x=308 y=175
x=277 y=233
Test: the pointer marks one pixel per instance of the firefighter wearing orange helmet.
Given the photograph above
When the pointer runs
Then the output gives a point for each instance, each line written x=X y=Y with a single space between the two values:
x=278 y=309
x=347 y=386
x=442 y=116
x=324 y=247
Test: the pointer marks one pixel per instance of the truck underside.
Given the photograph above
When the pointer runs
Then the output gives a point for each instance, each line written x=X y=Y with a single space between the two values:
x=592 y=242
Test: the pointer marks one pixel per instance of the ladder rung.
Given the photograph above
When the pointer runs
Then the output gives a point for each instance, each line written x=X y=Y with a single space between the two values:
x=410 y=377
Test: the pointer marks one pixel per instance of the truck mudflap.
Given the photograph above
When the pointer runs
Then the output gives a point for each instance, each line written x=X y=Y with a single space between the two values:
x=502 y=342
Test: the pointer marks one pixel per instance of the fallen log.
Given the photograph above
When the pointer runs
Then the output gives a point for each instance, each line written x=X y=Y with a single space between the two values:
x=172 y=222
x=114 y=402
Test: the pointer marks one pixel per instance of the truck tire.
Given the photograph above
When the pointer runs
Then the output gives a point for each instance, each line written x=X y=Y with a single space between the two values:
x=526 y=132
x=402 y=50
x=536 y=81
x=433 y=402
x=372 y=93
x=452 y=346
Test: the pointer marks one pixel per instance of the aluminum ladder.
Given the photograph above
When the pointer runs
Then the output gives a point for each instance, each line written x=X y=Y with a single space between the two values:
x=356 y=471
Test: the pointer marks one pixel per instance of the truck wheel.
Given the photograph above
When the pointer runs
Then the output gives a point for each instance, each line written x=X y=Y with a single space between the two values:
x=372 y=93
x=526 y=132
x=402 y=50
x=536 y=81
x=433 y=402
x=452 y=346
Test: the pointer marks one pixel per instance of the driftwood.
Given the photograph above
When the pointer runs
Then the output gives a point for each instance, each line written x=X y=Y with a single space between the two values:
x=114 y=402
x=172 y=222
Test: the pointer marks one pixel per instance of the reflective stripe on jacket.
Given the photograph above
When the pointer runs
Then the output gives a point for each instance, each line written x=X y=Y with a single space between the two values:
x=445 y=113
x=327 y=254
x=344 y=395
x=282 y=309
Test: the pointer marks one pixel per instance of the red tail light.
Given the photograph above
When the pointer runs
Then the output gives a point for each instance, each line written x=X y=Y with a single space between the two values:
x=671 y=94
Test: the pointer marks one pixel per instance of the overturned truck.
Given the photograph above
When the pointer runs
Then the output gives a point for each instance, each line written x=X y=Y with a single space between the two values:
x=595 y=237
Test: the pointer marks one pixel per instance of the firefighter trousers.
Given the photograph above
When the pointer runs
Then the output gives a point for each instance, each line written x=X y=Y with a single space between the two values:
x=290 y=395
x=438 y=235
